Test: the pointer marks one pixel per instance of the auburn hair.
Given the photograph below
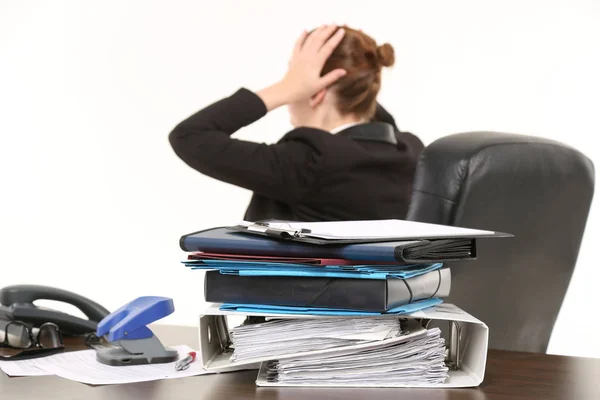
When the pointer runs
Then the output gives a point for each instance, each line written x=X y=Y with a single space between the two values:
x=363 y=60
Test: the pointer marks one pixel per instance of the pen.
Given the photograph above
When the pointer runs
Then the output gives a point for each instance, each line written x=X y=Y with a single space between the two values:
x=185 y=362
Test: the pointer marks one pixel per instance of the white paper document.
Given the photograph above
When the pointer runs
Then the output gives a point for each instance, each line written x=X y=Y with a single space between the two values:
x=416 y=361
x=81 y=366
x=22 y=368
x=375 y=229
x=285 y=336
x=413 y=358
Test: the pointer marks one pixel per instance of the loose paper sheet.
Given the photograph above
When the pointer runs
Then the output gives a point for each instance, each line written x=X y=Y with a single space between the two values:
x=81 y=366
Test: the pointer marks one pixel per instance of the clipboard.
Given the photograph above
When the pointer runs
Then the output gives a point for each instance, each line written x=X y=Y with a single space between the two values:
x=352 y=232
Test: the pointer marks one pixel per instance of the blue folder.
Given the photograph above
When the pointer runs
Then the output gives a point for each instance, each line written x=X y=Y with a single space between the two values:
x=258 y=268
x=270 y=309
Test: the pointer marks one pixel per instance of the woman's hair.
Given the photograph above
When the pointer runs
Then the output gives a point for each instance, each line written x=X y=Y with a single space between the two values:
x=363 y=60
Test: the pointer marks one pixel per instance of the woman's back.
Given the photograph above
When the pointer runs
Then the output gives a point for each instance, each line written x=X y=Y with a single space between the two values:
x=355 y=179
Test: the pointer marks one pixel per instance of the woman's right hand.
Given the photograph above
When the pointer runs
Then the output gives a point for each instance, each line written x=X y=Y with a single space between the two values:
x=303 y=78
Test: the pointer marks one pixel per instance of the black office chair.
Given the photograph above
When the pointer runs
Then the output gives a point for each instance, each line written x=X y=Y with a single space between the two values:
x=537 y=189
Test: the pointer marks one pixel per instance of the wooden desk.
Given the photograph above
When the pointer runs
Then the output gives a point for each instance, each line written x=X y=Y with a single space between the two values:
x=510 y=375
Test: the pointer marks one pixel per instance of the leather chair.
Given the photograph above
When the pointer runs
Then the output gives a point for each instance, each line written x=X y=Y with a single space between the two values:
x=537 y=189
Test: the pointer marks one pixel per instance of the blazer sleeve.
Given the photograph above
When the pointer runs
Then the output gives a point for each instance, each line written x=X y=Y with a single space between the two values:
x=283 y=171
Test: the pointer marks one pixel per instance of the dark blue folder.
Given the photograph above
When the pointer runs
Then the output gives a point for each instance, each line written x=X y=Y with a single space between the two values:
x=223 y=240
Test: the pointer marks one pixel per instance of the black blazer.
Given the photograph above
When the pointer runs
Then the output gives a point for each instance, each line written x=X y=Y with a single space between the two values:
x=363 y=172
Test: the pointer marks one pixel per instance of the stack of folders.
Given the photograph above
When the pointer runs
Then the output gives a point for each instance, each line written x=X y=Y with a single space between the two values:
x=343 y=271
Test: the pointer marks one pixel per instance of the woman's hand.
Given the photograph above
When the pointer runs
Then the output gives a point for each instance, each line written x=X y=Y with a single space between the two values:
x=303 y=78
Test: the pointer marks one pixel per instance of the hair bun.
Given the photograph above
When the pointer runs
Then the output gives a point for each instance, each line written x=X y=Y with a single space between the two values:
x=385 y=53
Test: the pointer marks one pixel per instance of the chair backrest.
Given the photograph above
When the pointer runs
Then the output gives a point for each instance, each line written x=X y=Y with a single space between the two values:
x=537 y=189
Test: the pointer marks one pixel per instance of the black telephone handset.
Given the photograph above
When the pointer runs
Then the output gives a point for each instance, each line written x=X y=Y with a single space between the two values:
x=17 y=304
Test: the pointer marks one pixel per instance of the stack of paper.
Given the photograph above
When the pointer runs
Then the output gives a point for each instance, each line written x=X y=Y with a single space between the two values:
x=418 y=360
x=344 y=302
x=289 y=336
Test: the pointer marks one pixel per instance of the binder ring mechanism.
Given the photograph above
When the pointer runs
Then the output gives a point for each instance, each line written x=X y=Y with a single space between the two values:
x=280 y=230
x=453 y=359
x=453 y=349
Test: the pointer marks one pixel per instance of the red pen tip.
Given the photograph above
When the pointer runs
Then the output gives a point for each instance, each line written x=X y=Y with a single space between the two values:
x=192 y=354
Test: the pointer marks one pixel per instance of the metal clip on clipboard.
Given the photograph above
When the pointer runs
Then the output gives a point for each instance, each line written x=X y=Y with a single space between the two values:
x=280 y=230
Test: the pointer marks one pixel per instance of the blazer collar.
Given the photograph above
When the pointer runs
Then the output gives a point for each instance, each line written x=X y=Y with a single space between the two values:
x=372 y=131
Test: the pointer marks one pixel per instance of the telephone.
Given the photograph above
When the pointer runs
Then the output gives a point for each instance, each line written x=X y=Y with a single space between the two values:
x=16 y=303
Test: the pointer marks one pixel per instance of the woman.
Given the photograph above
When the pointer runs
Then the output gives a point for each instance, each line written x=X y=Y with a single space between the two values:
x=345 y=159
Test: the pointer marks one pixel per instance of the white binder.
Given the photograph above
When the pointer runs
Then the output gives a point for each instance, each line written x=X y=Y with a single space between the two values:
x=467 y=347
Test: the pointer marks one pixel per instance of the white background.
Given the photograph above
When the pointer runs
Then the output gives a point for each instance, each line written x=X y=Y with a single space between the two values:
x=93 y=200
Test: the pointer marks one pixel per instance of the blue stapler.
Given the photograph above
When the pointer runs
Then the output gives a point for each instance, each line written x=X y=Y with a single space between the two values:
x=131 y=341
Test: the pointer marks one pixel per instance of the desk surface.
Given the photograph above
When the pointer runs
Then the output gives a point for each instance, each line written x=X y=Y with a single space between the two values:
x=509 y=375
